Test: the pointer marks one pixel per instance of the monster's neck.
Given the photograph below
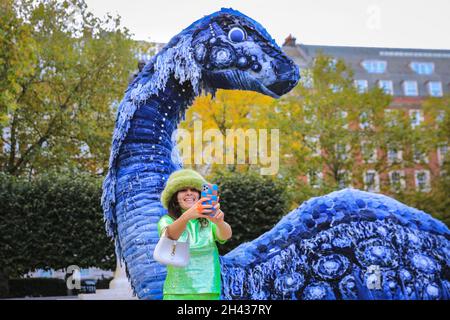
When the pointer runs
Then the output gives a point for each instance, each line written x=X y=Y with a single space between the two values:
x=148 y=144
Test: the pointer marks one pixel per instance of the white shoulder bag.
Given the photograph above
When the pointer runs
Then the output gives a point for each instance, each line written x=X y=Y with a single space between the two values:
x=172 y=252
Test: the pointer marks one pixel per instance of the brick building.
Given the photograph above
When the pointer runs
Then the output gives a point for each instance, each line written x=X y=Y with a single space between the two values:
x=409 y=75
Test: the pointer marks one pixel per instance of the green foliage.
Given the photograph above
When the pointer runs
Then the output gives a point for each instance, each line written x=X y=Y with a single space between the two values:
x=252 y=205
x=331 y=129
x=52 y=222
x=437 y=201
x=17 y=57
x=62 y=74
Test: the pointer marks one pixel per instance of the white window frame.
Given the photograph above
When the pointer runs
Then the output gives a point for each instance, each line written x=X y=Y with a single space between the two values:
x=435 y=92
x=422 y=68
x=374 y=66
x=402 y=180
x=427 y=181
x=362 y=86
x=387 y=86
x=440 y=154
x=416 y=116
x=423 y=157
x=365 y=125
x=398 y=158
x=348 y=183
x=376 y=187
x=410 y=84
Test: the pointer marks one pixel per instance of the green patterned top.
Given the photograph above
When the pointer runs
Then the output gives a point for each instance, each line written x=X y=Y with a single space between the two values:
x=202 y=274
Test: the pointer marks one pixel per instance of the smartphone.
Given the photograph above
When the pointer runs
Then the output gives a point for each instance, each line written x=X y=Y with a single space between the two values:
x=210 y=191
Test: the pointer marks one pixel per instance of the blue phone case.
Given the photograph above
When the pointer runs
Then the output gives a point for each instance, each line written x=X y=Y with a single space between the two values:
x=210 y=191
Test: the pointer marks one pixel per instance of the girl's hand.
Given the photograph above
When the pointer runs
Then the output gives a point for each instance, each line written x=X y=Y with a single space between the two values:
x=218 y=217
x=198 y=210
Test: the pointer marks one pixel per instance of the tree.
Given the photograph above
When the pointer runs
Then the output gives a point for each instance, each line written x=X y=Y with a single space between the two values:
x=437 y=201
x=335 y=136
x=65 y=71
x=16 y=57
x=228 y=111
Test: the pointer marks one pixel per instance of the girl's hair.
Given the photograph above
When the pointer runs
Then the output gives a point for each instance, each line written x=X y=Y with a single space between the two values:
x=174 y=209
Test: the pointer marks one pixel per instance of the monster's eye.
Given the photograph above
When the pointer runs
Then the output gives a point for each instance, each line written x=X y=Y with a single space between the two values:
x=236 y=34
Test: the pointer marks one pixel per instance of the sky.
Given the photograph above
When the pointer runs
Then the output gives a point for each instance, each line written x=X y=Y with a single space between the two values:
x=371 y=23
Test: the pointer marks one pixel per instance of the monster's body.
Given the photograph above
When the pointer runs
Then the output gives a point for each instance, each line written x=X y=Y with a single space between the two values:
x=349 y=244
x=201 y=58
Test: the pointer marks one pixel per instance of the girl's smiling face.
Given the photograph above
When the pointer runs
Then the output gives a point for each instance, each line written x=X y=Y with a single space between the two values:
x=188 y=197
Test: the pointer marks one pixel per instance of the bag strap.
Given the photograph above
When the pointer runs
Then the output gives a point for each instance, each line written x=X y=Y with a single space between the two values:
x=163 y=234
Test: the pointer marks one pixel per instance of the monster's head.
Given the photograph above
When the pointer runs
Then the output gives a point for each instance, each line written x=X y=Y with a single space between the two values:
x=225 y=50
x=236 y=52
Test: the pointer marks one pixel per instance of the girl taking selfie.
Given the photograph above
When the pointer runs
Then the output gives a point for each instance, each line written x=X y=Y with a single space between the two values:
x=205 y=224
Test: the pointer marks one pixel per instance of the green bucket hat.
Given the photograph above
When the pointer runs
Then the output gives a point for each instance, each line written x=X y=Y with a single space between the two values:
x=178 y=180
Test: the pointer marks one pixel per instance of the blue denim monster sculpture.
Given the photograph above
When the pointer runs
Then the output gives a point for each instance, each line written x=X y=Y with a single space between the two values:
x=346 y=245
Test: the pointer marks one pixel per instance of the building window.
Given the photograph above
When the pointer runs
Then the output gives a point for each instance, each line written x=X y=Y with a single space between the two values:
x=419 y=156
x=397 y=180
x=435 y=88
x=365 y=121
x=85 y=151
x=387 y=86
x=313 y=143
x=440 y=116
x=442 y=151
x=422 y=67
x=306 y=79
x=343 y=179
x=422 y=178
x=335 y=88
x=315 y=178
x=342 y=117
x=342 y=151
x=332 y=63
x=394 y=155
x=410 y=88
x=361 y=86
x=374 y=66
x=371 y=181
x=416 y=117
x=368 y=152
